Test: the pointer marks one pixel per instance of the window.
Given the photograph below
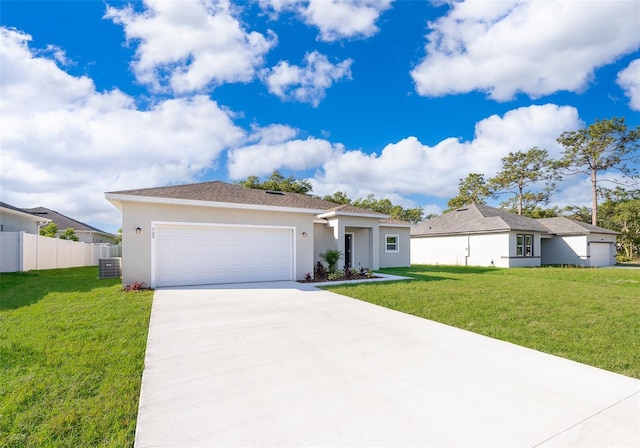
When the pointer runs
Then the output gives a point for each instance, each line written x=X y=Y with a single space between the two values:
x=392 y=244
x=524 y=245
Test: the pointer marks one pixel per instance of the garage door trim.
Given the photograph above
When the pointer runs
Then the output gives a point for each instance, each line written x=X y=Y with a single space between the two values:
x=154 y=273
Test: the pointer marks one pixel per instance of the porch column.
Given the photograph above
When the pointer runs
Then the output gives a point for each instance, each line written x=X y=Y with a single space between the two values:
x=338 y=235
x=374 y=244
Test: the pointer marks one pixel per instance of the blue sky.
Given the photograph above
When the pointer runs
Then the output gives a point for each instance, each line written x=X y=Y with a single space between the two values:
x=396 y=98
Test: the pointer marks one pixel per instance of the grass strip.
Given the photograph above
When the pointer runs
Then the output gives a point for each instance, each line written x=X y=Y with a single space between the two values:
x=71 y=359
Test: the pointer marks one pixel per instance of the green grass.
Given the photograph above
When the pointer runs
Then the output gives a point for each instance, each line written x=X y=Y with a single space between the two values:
x=71 y=358
x=588 y=315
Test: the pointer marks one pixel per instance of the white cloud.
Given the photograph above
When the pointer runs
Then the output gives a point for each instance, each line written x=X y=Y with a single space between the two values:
x=64 y=144
x=336 y=19
x=410 y=167
x=535 y=47
x=306 y=84
x=190 y=45
x=277 y=148
x=629 y=80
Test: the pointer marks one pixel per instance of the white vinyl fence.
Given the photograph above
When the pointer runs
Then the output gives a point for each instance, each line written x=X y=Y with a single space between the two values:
x=20 y=251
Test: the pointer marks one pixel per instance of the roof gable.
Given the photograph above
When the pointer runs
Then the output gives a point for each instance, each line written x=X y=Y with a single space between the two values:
x=477 y=218
x=22 y=213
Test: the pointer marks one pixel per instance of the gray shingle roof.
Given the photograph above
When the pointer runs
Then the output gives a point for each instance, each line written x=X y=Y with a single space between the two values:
x=477 y=218
x=63 y=222
x=218 y=191
x=566 y=226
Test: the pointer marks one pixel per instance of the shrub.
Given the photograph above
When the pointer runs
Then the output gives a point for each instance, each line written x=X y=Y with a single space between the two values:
x=331 y=257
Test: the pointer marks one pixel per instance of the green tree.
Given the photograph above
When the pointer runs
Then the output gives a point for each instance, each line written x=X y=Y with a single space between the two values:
x=605 y=145
x=118 y=239
x=472 y=188
x=578 y=213
x=69 y=234
x=49 y=230
x=621 y=212
x=521 y=172
x=394 y=211
x=339 y=197
x=277 y=182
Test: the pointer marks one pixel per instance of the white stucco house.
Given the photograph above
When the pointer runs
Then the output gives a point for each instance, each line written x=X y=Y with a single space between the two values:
x=215 y=232
x=14 y=219
x=480 y=235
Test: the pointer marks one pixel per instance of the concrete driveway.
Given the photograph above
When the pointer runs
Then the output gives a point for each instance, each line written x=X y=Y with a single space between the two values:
x=285 y=365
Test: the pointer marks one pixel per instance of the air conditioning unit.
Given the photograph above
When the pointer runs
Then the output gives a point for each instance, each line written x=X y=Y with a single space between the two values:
x=110 y=267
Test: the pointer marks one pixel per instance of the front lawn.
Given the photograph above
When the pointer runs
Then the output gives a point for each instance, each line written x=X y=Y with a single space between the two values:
x=71 y=358
x=588 y=315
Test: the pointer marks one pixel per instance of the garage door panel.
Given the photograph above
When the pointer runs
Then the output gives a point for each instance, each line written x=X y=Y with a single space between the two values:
x=187 y=254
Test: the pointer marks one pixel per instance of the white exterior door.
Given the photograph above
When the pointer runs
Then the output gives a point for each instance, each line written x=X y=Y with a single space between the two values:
x=184 y=254
x=600 y=254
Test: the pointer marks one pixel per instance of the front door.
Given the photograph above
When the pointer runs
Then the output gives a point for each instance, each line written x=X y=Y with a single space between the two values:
x=348 y=249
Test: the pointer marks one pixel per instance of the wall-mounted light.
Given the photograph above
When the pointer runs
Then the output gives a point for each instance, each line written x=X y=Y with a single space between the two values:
x=138 y=230
x=304 y=234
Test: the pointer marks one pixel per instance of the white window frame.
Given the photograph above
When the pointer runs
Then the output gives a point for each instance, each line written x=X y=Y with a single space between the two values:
x=526 y=237
x=397 y=243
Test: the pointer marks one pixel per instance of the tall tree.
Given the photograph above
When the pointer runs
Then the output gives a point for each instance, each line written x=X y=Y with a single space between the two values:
x=605 y=145
x=277 y=182
x=521 y=172
x=621 y=212
x=472 y=188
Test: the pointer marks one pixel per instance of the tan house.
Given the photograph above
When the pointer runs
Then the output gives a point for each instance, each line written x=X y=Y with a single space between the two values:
x=215 y=232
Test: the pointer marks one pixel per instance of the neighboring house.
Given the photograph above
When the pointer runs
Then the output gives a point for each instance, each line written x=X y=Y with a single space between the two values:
x=578 y=243
x=215 y=232
x=479 y=235
x=84 y=232
x=14 y=219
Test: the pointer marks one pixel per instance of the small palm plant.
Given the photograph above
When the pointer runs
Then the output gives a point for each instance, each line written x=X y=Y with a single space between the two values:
x=331 y=257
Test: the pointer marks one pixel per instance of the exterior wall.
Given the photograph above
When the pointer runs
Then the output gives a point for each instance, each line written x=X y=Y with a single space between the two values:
x=450 y=250
x=569 y=249
x=15 y=223
x=401 y=258
x=322 y=240
x=136 y=249
x=515 y=261
x=361 y=252
x=489 y=249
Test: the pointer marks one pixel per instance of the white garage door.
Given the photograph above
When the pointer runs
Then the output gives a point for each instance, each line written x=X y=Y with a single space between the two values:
x=600 y=254
x=198 y=255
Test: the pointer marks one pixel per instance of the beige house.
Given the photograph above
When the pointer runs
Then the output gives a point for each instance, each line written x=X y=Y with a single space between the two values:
x=479 y=235
x=215 y=232
x=84 y=232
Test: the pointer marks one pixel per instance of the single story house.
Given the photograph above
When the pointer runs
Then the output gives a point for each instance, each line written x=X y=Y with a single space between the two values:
x=14 y=219
x=480 y=235
x=84 y=232
x=215 y=232
x=578 y=243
